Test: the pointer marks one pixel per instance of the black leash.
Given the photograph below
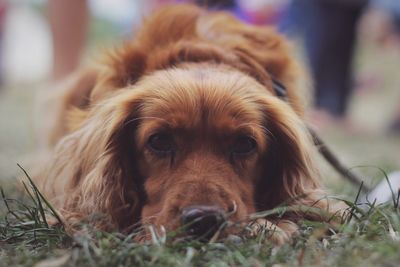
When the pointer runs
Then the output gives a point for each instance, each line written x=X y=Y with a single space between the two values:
x=335 y=162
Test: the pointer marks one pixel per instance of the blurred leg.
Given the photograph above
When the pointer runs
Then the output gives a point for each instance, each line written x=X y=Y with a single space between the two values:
x=330 y=42
x=69 y=23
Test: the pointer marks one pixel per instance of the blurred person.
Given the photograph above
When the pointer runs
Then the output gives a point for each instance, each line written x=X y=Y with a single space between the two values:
x=329 y=29
x=69 y=21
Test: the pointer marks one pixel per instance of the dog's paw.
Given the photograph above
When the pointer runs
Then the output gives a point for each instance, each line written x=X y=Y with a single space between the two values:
x=271 y=231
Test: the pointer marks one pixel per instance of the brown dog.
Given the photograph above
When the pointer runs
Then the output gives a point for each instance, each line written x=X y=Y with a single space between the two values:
x=188 y=123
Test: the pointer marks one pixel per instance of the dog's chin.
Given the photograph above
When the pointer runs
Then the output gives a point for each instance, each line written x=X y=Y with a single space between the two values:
x=175 y=231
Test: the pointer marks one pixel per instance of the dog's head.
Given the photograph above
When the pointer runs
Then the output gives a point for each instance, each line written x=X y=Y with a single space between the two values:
x=211 y=142
x=195 y=131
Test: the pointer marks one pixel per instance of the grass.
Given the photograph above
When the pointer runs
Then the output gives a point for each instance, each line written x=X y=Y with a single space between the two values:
x=368 y=237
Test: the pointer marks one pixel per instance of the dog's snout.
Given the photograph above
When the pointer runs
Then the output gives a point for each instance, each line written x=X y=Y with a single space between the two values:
x=202 y=221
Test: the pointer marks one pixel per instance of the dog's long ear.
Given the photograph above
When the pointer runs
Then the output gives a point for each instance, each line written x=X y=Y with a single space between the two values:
x=290 y=174
x=122 y=66
x=95 y=166
x=71 y=94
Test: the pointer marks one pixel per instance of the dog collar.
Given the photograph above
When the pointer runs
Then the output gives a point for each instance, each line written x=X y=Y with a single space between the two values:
x=279 y=88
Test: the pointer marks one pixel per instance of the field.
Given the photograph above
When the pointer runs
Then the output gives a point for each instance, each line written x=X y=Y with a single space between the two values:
x=370 y=237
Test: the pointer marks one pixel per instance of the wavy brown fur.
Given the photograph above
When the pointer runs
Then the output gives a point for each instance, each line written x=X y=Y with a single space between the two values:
x=204 y=76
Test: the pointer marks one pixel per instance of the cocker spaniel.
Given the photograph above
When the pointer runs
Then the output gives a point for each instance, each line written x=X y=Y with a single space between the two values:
x=196 y=122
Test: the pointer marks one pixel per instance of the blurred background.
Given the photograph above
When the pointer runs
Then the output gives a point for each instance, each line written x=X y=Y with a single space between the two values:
x=350 y=48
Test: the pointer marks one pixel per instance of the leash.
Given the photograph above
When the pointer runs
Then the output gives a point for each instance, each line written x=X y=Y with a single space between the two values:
x=329 y=156
x=335 y=162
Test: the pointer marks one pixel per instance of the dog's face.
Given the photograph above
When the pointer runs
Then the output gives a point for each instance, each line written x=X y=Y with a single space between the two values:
x=203 y=142
x=199 y=143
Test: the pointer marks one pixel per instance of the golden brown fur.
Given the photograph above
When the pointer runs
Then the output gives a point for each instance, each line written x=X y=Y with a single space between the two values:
x=205 y=79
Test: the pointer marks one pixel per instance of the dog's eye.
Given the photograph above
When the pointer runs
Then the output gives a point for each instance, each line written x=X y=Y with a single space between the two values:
x=161 y=143
x=244 y=145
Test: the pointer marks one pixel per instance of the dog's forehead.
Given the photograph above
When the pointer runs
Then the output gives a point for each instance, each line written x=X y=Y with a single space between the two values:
x=190 y=98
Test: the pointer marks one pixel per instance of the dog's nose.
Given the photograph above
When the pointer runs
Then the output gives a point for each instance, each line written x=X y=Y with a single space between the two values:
x=202 y=221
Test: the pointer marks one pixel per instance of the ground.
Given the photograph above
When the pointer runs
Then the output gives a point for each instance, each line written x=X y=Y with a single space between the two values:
x=369 y=238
